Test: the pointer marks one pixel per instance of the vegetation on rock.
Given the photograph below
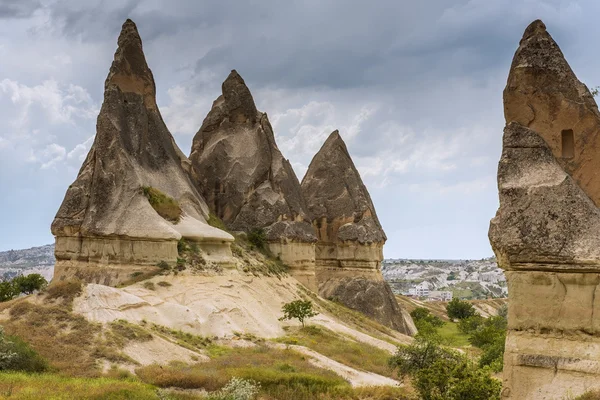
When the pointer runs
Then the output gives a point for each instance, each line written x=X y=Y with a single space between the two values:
x=165 y=206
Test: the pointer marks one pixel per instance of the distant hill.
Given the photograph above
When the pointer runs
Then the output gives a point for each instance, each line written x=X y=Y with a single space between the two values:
x=39 y=260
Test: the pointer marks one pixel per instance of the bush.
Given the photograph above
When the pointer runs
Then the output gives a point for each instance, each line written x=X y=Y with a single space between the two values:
x=16 y=355
x=8 y=291
x=443 y=374
x=460 y=309
x=66 y=290
x=469 y=325
x=298 y=309
x=426 y=322
x=237 y=389
x=30 y=283
x=258 y=238
x=165 y=206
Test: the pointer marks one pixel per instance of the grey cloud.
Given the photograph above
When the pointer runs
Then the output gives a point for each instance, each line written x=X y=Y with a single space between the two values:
x=18 y=8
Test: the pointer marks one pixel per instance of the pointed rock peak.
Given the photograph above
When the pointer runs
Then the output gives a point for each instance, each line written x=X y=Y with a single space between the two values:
x=535 y=28
x=334 y=190
x=333 y=142
x=129 y=70
x=238 y=99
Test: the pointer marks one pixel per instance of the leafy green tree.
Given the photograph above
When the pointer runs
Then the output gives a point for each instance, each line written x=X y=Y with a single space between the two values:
x=426 y=322
x=460 y=309
x=30 y=283
x=8 y=291
x=469 y=325
x=439 y=373
x=299 y=310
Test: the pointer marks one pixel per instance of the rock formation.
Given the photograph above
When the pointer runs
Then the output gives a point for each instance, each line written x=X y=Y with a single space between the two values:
x=546 y=232
x=350 y=246
x=544 y=94
x=106 y=229
x=246 y=181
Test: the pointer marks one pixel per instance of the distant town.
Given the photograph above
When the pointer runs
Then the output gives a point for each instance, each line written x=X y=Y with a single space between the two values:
x=443 y=280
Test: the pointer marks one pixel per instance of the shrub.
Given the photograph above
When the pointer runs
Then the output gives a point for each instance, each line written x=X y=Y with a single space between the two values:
x=8 y=291
x=216 y=222
x=469 y=325
x=164 y=284
x=66 y=290
x=30 y=283
x=163 y=265
x=16 y=355
x=460 y=309
x=237 y=389
x=258 y=238
x=426 y=322
x=165 y=206
x=443 y=374
x=149 y=285
x=299 y=309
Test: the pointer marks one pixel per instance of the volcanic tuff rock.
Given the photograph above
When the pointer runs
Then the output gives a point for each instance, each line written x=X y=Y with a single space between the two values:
x=373 y=298
x=245 y=179
x=545 y=233
x=106 y=227
x=544 y=94
x=350 y=246
x=349 y=232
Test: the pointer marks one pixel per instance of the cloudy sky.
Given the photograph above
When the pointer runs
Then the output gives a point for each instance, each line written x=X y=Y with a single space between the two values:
x=415 y=88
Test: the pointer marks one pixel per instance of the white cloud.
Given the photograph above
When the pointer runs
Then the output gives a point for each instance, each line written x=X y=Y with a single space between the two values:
x=60 y=104
x=52 y=154
x=80 y=151
x=186 y=110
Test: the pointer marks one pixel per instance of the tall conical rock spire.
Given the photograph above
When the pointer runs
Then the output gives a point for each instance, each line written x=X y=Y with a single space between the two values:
x=543 y=94
x=337 y=197
x=105 y=217
x=247 y=182
x=546 y=231
x=349 y=250
x=241 y=172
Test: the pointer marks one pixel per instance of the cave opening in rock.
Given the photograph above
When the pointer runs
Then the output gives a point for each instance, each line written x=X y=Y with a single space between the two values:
x=568 y=144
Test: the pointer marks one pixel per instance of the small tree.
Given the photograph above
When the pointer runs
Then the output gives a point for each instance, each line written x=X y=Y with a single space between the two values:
x=298 y=309
x=460 y=309
x=30 y=283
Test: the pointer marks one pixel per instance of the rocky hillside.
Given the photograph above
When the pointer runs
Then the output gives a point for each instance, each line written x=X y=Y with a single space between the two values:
x=38 y=260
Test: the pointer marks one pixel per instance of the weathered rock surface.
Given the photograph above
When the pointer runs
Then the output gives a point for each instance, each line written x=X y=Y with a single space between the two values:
x=247 y=182
x=372 y=298
x=350 y=235
x=350 y=247
x=106 y=228
x=544 y=94
x=545 y=233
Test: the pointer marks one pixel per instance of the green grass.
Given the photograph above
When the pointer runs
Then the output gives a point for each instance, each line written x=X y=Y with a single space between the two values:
x=452 y=336
x=167 y=207
x=342 y=349
x=20 y=386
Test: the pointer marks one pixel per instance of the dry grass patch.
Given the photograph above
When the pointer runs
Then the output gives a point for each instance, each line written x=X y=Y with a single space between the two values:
x=183 y=339
x=65 y=290
x=282 y=374
x=340 y=348
x=71 y=344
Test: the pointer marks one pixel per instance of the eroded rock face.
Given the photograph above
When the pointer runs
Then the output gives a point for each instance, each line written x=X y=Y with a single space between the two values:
x=350 y=247
x=350 y=235
x=545 y=235
x=106 y=228
x=247 y=182
x=374 y=298
x=544 y=94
